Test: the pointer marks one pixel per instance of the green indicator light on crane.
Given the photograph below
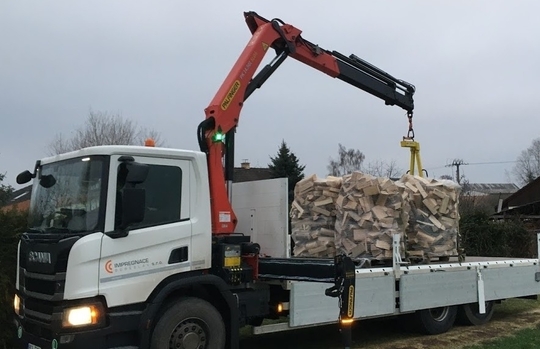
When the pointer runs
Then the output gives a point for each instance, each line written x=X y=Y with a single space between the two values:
x=218 y=137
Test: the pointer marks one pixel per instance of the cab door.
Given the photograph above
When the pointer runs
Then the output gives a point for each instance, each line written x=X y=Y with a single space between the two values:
x=132 y=266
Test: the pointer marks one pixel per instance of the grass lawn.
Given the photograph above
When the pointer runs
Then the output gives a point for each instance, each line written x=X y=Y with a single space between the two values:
x=523 y=339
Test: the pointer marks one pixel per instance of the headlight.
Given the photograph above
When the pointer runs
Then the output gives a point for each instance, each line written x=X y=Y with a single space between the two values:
x=82 y=316
x=17 y=305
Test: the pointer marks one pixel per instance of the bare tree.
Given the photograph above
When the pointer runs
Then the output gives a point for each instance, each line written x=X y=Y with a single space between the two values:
x=381 y=168
x=5 y=191
x=348 y=161
x=446 y=176
x=527 y=167
x=102 y=128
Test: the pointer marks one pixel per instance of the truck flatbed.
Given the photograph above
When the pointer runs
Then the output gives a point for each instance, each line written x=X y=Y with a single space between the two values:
x=401 y=289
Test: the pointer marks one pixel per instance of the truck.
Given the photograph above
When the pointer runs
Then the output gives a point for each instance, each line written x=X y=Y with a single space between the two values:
x=149 y=247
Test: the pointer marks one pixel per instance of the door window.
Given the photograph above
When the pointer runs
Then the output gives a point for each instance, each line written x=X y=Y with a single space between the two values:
x=163 y=188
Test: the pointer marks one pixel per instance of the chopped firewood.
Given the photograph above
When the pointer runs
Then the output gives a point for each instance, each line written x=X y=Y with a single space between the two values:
x=364 y=228
x=358 y=214
x=434 y=228
x=313 y=216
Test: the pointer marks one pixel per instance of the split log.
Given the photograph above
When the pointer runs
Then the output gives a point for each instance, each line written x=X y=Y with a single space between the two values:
x=313 y=216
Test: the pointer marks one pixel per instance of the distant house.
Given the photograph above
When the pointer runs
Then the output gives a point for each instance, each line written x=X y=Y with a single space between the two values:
x=489 y=195
x=246 y=173
x=525 y=202
x=20 y=199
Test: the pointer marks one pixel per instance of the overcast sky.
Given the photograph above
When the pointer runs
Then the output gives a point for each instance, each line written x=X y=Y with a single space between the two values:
x=475 y=65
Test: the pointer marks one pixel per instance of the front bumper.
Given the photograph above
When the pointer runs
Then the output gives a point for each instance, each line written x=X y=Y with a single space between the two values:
x=121 y=330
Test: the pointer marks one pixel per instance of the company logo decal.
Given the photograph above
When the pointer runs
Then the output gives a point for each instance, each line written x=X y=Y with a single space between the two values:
x=39 y=257
x=230 y=95
x=109 y=267
x=350 y=303
x=134 y=264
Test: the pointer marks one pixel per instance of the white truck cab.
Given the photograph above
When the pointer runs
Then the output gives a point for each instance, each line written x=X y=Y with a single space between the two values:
x=80 y=266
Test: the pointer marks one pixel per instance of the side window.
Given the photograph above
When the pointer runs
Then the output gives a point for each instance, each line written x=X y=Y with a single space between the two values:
x=163 y=188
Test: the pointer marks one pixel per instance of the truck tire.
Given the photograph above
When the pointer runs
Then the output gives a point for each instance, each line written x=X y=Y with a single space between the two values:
x=191 y=323
x=469 y=315
x=436 y=320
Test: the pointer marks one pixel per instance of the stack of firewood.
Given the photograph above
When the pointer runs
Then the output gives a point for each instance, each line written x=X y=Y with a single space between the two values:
x=313 y=215
x=433 y=229
x=369 y=213
x=358 y=214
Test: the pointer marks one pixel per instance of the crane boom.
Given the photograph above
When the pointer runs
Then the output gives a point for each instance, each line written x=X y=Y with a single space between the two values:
x=216 y=133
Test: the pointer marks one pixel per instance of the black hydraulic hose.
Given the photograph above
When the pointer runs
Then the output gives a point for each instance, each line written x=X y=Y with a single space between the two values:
x=203 y=127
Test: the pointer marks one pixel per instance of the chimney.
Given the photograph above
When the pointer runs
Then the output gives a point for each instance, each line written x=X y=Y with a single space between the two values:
x=245 y=164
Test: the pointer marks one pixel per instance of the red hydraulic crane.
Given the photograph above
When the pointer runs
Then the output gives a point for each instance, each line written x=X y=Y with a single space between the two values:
x=216 y=133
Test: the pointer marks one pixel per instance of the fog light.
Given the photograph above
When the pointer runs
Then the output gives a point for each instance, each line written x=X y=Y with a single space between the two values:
x=65 y=339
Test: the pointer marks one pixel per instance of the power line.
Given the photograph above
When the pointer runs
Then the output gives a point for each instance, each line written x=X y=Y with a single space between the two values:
x=475 y=163
x=491 y=162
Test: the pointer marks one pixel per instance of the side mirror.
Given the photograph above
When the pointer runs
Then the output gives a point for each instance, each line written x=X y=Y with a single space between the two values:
x=47 y=181
x=137 y=173
x=24 y=177
x=133 y=205
x=133 y=208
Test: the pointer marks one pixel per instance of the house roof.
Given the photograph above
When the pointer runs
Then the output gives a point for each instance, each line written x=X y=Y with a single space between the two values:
x=20 y=199
x=529 y=194
x=493 y=188
x=252 y=174
x=20 y=195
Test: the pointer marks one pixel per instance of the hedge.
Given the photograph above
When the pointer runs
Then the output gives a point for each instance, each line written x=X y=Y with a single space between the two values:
x=12 y=223
x=482 y=236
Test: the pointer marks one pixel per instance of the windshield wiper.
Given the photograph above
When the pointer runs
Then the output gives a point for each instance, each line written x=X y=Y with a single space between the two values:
x=57 y=230
x=49 y=230
x=49 y=233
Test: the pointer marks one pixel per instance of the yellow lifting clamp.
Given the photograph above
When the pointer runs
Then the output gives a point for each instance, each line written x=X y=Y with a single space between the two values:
x=415 y=155
x=414 y=146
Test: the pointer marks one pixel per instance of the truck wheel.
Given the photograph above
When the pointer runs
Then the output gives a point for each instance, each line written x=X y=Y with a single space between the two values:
x=469 y=314
x=436 y=320
x=191 y=323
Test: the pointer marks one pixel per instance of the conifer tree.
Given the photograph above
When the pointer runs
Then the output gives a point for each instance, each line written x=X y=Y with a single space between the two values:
x=286 y=164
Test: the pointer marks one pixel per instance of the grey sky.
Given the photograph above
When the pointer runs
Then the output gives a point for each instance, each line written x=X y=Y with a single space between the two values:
x=474 y=64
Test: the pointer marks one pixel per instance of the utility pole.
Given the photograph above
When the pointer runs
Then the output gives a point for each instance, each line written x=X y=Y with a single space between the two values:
x=457 y=163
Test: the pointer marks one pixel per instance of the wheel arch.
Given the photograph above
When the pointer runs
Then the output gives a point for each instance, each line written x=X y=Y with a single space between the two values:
x=205 y=286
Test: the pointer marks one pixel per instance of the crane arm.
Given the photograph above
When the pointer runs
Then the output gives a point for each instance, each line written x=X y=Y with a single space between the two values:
x=216 y=133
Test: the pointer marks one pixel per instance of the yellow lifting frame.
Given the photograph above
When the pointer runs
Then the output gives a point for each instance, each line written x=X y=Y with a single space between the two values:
x=414 y=146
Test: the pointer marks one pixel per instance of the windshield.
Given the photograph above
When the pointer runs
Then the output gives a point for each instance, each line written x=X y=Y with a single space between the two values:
x=68 y=196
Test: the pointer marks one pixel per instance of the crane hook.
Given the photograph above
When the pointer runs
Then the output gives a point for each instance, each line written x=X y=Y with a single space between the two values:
x=410 y=132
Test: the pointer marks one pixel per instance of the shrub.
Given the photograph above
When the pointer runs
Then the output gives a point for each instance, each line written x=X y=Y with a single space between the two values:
x=12 y=224
x=482 y=236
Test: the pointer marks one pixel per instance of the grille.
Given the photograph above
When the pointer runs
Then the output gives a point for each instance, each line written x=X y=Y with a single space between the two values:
x=38 y=306
x=41 y=291
x=40 y=286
